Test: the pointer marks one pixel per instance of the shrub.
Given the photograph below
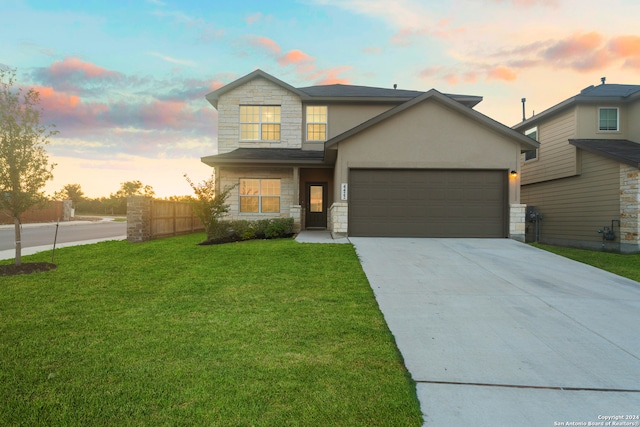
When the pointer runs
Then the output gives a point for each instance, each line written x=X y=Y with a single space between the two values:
x=224 y=231
x=279 y=227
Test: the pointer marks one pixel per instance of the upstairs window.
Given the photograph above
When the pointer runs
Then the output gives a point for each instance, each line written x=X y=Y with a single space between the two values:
x=316 y=123
x=260 y=123
x=260 y=195
x=608 y=119
x=531 y=154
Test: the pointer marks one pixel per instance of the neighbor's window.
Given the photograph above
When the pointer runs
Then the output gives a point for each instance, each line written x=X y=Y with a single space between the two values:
x=260 y=122
x=608 y=119
x=260 y=195
x=316 y=123
x=531 y=154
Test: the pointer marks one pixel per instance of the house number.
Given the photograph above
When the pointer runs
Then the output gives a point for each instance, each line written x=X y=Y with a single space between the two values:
x=343 y=192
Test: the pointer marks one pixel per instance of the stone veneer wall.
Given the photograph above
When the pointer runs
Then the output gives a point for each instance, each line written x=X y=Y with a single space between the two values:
x=232 y=176
x=517 y=213
x=259 y=92
x=339 y=218
x=629 y=208
x=138 y=218
x=296 y=213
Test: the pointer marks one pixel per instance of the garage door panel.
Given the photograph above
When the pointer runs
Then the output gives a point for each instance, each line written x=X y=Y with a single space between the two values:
x=427 y=203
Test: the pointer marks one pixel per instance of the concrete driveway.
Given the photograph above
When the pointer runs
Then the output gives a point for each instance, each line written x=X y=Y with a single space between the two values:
x=497 y=333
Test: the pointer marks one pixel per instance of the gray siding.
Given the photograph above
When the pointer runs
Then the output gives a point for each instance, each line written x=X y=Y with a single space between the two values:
x=575 y=208
x=556 y=157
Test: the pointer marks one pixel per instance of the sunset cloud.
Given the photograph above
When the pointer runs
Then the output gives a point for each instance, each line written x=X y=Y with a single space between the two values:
x=265 y=44
x=75 y=76
x=502 y=73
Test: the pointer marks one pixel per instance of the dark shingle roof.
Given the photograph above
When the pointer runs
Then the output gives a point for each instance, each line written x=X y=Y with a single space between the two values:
x=614 y=93
x=621 y=150
x=339 y=90
x=367 y=93
x=266 y=155
x=609 y=91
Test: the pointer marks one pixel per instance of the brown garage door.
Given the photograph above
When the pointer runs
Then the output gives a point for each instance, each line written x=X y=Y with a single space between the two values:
x=427 y=203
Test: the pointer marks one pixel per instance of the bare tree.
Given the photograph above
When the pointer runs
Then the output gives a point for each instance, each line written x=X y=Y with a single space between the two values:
x=24 y=164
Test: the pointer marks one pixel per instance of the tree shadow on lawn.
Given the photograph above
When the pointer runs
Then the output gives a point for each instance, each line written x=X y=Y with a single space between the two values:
x=26 y=268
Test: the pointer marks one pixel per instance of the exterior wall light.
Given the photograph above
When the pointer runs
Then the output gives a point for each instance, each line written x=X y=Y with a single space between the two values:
x=513 y=174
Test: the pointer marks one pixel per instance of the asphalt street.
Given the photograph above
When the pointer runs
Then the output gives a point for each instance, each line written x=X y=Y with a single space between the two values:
x=40 y=237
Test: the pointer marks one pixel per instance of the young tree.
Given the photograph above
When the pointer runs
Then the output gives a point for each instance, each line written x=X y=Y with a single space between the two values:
x=208 y=204
x=24 y=164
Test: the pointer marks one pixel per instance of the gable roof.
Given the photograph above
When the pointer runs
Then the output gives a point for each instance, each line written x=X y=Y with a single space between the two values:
x=214 y=96
x=336 y=92
x=617 y=93
x=526 y=142
x=621 y=150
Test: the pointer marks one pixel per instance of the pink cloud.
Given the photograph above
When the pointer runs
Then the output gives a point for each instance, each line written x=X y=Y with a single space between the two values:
x=501 y=73
x=71 y=66
x=295 y=57
x=625 y=45
x=264 y=43
x=50 y=99
x=330 y=76
x=163 y=114
x=574 y=46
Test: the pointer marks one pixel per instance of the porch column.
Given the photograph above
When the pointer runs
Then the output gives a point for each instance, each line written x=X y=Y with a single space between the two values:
x=296 y=185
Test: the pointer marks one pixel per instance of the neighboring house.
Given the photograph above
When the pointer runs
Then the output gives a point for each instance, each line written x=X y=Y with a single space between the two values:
x=367 y=161
x=584 y=178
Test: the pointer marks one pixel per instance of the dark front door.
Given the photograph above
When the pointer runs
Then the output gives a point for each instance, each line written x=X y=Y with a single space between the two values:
x=316 y=211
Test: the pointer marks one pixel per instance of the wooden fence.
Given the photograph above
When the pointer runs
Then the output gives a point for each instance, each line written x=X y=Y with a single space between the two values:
x=171 y=218
x=56 y=210
x=150 y=219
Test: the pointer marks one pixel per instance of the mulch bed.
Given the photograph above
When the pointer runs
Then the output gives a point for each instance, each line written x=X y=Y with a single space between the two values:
x=25 y=268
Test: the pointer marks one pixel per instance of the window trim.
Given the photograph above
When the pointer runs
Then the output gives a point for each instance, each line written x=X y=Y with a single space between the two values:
x=528 y=133
x=617 y=110
x=260 y=123
x=260 y=196
x=325 y=123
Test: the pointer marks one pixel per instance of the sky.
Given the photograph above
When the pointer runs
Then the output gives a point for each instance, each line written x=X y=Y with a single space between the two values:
x=124 y=81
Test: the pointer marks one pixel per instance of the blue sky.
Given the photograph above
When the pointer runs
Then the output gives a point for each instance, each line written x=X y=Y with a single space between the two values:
x=124 y=81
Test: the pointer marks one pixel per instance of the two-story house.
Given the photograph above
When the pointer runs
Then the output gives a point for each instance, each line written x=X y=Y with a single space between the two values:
x=367 y=161
x=584 y=179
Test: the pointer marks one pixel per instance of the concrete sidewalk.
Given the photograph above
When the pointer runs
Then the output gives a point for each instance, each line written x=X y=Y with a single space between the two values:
x=497 y=333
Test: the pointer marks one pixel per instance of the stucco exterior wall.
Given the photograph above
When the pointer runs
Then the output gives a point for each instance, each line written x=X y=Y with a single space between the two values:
x=259 y=92
x=428 y=135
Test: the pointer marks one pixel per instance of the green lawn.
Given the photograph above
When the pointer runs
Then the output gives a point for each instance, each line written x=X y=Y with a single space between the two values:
x=259 y=333
x=626 y=265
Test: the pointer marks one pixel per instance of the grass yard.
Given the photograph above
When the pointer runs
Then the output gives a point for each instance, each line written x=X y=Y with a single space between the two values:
x=626 y=265
x=259 y=333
